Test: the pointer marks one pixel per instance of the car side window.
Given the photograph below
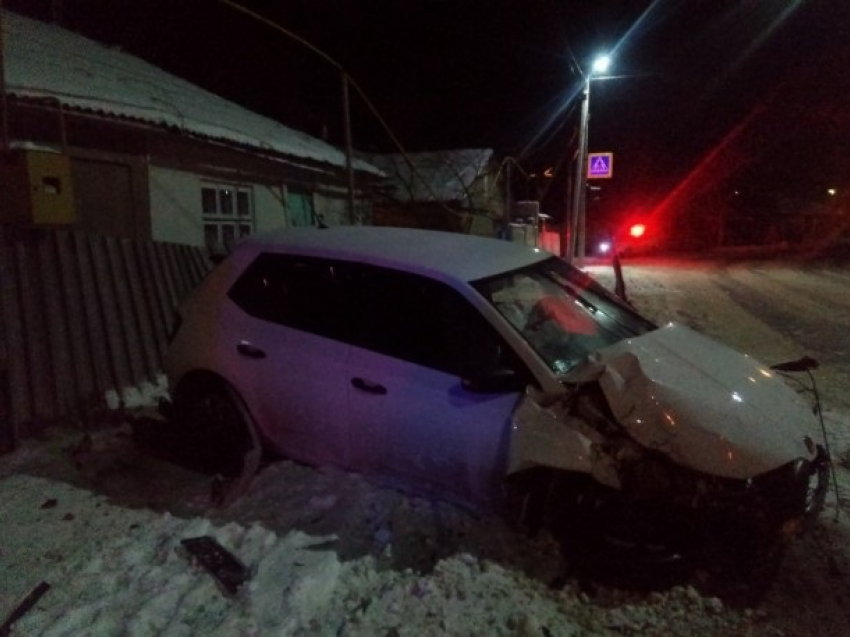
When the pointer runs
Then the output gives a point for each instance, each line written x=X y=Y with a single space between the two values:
x=298 y=292
x=422 y=321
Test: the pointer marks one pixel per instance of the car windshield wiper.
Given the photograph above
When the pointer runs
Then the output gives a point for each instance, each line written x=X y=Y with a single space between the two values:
x=567 y=286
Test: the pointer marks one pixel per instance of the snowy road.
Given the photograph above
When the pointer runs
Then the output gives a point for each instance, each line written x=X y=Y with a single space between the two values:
x=101 y=520
x=809 y=307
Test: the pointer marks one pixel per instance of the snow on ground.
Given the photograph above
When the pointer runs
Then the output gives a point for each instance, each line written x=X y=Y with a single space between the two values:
x=100 y=519
x=397 y=565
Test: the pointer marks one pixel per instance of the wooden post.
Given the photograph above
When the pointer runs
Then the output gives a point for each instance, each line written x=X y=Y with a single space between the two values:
x=4 y=109
x=349 y=164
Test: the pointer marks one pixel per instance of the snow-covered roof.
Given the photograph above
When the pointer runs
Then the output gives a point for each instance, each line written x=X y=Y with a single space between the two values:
x=45 y=61
x=449 y=173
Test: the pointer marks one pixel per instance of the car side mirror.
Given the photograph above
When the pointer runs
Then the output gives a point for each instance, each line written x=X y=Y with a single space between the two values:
x=496 y=380
x=804 y=364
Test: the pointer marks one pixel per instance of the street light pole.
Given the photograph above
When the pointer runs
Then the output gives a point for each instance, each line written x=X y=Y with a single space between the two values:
x=580 y=181
x=577 y=219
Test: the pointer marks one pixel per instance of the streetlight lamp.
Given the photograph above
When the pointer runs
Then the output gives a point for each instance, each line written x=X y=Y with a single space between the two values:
x=599 y=67
x=601 y=64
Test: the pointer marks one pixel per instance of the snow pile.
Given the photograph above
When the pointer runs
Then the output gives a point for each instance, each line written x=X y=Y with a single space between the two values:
x=145 y=394
x=468 y=596
x=121 y=571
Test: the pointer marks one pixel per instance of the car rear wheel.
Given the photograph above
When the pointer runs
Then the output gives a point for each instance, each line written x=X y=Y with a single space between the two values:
x=217 y=429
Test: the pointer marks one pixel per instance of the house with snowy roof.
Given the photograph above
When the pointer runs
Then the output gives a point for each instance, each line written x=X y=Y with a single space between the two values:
x=101 y=141
x=459 y=190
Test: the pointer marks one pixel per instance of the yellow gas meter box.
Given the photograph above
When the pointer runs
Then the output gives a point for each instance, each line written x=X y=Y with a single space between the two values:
x=36 y=189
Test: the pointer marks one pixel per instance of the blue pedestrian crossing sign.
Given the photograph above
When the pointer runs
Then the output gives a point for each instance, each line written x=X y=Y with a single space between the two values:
x=600 y=165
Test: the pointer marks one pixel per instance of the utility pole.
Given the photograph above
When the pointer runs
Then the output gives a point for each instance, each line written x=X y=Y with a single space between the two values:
x=349 y=163
x=507 y=218
x=566 y=233
x=577 y=225
x=580 y=182
x=4 y=105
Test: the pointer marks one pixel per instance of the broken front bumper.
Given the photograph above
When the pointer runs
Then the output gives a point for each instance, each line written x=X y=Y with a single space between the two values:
x=793 y=491
x=665 y=512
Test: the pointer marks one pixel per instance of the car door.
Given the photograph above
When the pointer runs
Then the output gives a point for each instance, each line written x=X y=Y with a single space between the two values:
x=293 y=355
x=409 y=411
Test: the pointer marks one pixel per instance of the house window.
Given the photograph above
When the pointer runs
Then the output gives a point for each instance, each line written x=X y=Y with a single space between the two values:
x=228 y=215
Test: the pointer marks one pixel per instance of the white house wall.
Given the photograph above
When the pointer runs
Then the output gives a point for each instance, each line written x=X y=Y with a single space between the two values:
x=176 y=211
x=333 y=210
x=269 y=211
x=175 y=200
x=331 y=204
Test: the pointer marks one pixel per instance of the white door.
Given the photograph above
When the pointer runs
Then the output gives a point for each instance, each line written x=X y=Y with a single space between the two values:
x=291 y=355
x=410 y=414
x=421 y=424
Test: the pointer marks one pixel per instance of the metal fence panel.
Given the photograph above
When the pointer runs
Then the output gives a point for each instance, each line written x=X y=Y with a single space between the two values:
x=80 y=315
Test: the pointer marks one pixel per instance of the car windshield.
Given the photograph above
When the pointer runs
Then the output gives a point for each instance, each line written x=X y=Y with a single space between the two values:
x=561 y=312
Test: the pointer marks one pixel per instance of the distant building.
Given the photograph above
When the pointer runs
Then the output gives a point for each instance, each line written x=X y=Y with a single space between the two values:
x=459 y=190
x=101 y=141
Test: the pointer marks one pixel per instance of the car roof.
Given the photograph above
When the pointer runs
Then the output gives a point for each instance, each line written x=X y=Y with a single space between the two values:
x=454 y=255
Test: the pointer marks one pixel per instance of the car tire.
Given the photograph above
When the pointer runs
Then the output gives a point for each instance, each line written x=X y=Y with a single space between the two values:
x=217 y=431
x=601 y=541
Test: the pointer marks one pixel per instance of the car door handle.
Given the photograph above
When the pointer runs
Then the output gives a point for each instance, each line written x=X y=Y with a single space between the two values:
x=365 y=385
x=250 y=351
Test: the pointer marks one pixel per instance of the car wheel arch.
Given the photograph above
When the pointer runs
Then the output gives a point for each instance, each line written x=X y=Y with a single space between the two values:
x=531 y=493
x=193 y=384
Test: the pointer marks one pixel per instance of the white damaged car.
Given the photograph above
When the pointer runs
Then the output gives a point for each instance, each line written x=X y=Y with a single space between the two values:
x=496 y=374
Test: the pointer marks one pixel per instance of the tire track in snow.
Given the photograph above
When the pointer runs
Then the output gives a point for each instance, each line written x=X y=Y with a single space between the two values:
x=815 y=322
x=827 y=289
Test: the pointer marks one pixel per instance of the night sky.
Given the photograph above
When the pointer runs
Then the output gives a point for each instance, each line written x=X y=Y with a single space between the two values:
x=741 y=94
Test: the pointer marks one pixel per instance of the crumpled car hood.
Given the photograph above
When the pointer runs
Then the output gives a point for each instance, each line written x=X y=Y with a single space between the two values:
x=701 y=403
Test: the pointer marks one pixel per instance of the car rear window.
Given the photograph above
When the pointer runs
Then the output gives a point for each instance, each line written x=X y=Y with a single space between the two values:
x=299 y=292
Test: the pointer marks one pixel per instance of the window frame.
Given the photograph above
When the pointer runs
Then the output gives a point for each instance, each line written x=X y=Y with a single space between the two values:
x=229 y=226
x=355 y=310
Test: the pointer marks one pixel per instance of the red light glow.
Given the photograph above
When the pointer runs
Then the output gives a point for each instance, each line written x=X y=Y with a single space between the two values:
x=637 y=230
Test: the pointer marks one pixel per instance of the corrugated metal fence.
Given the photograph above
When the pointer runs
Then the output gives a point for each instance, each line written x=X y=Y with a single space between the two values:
x=82 y=314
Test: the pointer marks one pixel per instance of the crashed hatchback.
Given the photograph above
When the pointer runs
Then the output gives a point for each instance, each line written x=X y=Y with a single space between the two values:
x=496 y=374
